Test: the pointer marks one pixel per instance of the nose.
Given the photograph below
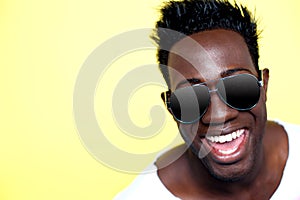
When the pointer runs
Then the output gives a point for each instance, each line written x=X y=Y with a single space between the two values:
x=218 y=112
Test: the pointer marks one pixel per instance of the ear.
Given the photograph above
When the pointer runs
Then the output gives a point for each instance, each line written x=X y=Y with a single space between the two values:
x=265 y=81
x=165 y=96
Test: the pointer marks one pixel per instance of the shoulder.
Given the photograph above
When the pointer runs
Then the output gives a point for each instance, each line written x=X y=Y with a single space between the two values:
x=293 y=137
x=283 y=131
x=145 y=186
x=288 y=127
x=292 y=130
x=287 y=188
x=276 y=143
x=279 y=132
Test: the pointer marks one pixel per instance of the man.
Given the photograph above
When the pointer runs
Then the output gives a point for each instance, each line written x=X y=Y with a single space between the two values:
x=217 y=95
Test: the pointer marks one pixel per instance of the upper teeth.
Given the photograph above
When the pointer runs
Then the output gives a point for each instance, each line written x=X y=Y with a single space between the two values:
x=226 y=138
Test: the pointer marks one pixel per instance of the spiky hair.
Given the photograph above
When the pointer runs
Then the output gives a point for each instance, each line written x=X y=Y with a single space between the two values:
x=193 y=16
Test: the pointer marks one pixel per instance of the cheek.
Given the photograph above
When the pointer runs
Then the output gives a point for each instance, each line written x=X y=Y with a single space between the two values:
x=260 y=110
x=260 y=117
x=188 y=132
x=191 y=138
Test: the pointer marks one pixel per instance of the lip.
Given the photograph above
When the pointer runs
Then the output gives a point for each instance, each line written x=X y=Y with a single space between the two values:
x=231 y=156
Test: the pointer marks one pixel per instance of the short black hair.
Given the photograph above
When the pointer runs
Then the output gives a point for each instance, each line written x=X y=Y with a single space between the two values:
x=193 y=16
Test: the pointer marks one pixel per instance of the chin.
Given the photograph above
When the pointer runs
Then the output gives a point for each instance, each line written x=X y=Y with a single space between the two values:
x=230 y=173
x=239 y=170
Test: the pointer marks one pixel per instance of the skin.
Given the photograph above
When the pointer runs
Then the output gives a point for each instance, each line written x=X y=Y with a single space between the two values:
x=255 y=173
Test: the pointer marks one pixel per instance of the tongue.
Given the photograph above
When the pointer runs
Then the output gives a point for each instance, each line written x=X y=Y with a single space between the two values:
x=228 y=145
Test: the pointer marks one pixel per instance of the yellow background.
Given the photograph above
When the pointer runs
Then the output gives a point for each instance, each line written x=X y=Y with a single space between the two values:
x=42 y=47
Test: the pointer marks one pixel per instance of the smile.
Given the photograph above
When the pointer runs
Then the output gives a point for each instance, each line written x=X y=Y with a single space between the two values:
x=226 y=138
x=229 y=147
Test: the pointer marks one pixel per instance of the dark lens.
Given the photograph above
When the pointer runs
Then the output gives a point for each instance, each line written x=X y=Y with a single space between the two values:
x=190 y=103
x=241 y=92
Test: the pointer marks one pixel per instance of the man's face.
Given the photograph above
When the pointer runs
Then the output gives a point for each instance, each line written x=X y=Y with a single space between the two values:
x=220 y=53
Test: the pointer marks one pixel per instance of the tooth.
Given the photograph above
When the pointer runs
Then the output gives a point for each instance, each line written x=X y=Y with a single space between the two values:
x=216 y=138
x=234 y=135
x=228 y=138
x=228 y=151
x=242 y=131
x=238 y=134
x=212 y=139
x=222 y=139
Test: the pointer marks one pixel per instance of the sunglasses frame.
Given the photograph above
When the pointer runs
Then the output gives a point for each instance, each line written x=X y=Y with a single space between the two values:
x=167 y=94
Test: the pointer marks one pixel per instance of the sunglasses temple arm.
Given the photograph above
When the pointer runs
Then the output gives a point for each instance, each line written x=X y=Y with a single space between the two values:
x=260 y=81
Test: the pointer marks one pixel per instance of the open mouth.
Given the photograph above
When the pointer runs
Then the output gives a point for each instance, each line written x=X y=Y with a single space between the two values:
x=227 y=148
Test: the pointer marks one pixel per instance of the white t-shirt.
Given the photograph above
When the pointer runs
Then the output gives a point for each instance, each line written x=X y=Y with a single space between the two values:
x=149 y=186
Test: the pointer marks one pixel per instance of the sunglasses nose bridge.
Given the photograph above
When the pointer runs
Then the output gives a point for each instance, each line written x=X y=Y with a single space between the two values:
x=213 y=90
x=218 y=111
x=216 y=98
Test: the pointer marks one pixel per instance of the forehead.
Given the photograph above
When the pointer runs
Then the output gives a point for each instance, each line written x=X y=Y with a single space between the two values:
x=207 y=55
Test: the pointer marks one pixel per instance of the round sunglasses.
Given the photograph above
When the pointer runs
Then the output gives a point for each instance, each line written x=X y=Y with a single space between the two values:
x=189 y=104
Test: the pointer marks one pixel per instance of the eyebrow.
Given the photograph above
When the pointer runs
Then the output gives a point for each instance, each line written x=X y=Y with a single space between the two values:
x=223 y=74
x=232 y=71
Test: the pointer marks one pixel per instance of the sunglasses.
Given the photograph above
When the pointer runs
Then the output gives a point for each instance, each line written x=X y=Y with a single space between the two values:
x=189 y=104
